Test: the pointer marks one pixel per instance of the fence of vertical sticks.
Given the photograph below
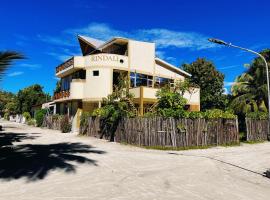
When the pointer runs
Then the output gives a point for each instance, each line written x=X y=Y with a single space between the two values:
x=169 y=132
x=257 y=130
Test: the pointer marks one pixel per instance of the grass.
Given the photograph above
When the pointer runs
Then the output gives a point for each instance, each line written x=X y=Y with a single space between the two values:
x=168 y=148
x=254 y=141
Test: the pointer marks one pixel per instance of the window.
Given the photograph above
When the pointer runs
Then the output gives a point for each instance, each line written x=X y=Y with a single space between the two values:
x=96 y=73
x=161 y=82
x=79 y=74
x=137 y=80
x=65 y=83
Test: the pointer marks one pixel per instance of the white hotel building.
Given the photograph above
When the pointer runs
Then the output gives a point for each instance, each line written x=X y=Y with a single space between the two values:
x=86 y=79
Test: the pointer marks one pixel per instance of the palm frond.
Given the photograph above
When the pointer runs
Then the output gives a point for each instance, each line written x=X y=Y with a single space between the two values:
x=6 y=58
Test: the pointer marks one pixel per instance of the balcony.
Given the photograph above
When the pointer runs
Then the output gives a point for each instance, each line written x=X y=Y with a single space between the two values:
x=149 y=94
x=61 y=95
x=68 y=64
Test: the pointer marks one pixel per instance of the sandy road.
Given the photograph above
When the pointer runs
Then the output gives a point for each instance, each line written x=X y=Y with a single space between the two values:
x=46 y=164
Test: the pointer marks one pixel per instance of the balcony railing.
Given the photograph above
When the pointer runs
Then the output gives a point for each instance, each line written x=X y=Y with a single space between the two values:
x=68 y=63
x=62 y=94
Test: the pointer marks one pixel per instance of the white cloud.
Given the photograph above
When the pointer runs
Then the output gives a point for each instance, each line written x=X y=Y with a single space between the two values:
x=229 y=67
x=163 y=38
x=31 y=66
x=15 y=74
x=228 y=84
x=225 y=91
x=60 y=56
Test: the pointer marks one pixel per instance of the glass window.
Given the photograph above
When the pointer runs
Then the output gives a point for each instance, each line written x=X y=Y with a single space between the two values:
x=137 y=79
x=96 y=73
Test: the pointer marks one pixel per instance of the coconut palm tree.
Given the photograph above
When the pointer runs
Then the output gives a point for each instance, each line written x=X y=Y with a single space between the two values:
x=250 y=89
x=6 y=58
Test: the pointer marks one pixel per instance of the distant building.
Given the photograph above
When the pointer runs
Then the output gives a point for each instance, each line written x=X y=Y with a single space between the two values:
x=86 y=79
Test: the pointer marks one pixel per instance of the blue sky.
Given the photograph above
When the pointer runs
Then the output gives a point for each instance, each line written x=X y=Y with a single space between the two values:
x=45 y=31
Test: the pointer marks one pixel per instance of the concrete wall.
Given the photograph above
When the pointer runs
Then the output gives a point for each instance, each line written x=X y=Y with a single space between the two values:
x=166 y=73
x=141 y=56
x=97 y=87
x=77 y=89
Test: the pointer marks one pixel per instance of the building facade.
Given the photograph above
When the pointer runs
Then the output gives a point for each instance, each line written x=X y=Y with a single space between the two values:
x=87 y=79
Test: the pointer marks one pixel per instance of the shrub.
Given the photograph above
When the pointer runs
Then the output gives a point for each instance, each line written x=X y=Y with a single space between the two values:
x=27 y=116
x=257 y=115
x=195 y=115
x=31 y=122
x=84 y=118
x=39 y=117
x=6 y=116
x=65 y=125
x=216 y=113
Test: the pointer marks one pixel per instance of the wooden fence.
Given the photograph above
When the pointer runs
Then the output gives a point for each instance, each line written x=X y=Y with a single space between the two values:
x=52 y=122
x=56 y=121
x=92 y=127
x=257 y=130
x=177 y=132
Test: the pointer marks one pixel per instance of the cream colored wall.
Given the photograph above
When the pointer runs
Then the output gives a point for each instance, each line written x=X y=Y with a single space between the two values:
x=149 y=93
x=141 y=56
x=97 y=87
x=107 y=60
x=135 y=92
x=77 y=89
x=164 y=72
x=193 y=96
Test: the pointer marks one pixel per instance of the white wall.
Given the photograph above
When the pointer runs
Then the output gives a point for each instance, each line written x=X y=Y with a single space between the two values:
x=141 y=56
x=97 y=87
x=77 y=89
x=166 y=73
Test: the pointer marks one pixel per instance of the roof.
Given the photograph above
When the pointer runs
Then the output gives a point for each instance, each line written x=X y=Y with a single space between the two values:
x=172 y=67
x=92 y=41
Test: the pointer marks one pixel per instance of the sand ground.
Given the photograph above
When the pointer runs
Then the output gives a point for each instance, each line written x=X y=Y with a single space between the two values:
x=44 y=164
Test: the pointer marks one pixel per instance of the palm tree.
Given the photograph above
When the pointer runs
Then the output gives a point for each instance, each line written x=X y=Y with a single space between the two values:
x=6 y=58
x=250 y=89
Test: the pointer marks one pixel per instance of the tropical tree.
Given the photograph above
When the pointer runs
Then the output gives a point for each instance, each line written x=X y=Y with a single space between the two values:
x=249 y=93
x=6 y=58
x=210 y=81
x=31 y=96
x=116 y=106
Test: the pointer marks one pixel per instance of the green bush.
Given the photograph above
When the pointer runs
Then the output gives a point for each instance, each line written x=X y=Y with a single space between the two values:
x=195 y=115
x=27 y=116
x=31 y=122
x=65 y=124
x=216 y=113
x=84 y=118
x=6 y=116
x=39 y=117
x=257 y=115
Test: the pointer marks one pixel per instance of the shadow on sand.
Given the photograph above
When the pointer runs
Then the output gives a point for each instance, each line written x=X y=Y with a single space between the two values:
x=35 y=161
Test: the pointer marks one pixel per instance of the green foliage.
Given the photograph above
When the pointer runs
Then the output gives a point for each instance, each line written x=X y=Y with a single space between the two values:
x=57 y=87
x=216 y=113
x=65 y=124
x=210 y=81
x=31 y=96
x=257 y=115
x=31 y=122
x=170 y=102
x=195 y=115
x=39 y=117
x=27 y=116
x=6 y=116
x=116 y=106
x=7 y=102
x=249 y=93
x=84 y=118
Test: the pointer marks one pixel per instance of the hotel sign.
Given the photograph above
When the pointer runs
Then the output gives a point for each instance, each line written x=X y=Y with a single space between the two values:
x=105 y=57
